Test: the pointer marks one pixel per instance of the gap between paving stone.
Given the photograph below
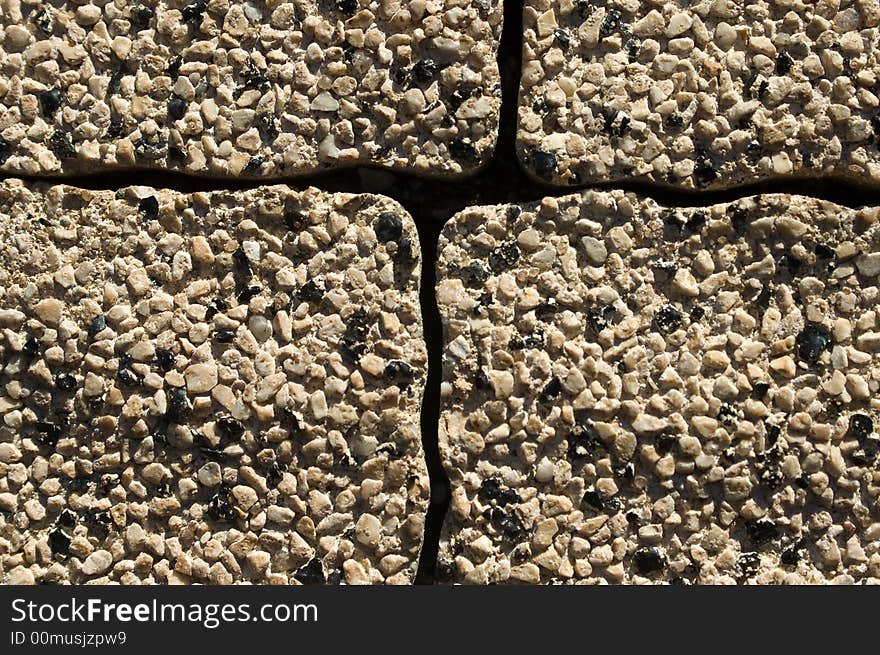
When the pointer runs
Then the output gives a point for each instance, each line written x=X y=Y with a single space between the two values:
x=432 y=202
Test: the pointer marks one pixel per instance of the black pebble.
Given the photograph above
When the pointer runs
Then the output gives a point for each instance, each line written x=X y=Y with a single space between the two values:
x=294 y=220
x=290 y=421
x=241 y=261
x=31 y=346
x=347 y=6
x=195 y=10
x=389 y=449
x=128 y=377
x=400 y=74
x=149 y=207
x=491 y=490
x=748 y=563
x=457 y=97
x=43 y=20
x=704 y=170
x=61 y=144
x=224 y=336
x=562 y=38
x=116 y=128
x=165 y=359
x=229 y=427
x=823 y=252
x=59 y=543
x=274 y=475
x=664 y=442
x=246 y=294
x=141 y=16
x=178 y=405
x=388 y=227
x=869 y=452
x=582 y=442
x=50 y=102
x=594 y=498
x=405 y=251
x=625 y=472
x=504 y=256
x=254 y=164
x=611 y=23
x=860 y=426
x=793 y=264
x=356 y=330
x=311 y=291
x=424 y=70
x=784 y=63
x=475 y=273
x=543 y=163
x=674 y=120
x=597 y=319
x=552 y=389
x=65 y=381
x=511 y=527
x=177 y=107
x=792 y=554
x=762 y=300
x=220 y=506
x=649 y=560
x=812 y=342
x=174 y=66
x=67 y=518
x=311 y=573
x=668 y=319
x=632 y=48
x=98 y=324
x=50 y=433
x=761 y=531
x=399 y=373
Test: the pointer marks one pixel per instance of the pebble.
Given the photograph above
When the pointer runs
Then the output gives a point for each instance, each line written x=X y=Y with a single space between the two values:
x=201 y=378
x=49 y=310
x=98 y=563
x=368 y=530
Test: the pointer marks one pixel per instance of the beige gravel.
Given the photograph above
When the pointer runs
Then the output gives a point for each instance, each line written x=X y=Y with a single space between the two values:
x=209 y=388
x=705 y=94
x=226 y=88
x=633 y=394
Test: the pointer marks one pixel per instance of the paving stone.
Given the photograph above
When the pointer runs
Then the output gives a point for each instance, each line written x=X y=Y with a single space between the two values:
x=700 y=95
x=602 y=423
x=262 y=88
x=152 y=434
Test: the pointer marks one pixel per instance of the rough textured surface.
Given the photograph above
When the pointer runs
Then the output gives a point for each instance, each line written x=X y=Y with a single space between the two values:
x=256 y=88
x=634 y=394
x=217 y=387
x=700 y=94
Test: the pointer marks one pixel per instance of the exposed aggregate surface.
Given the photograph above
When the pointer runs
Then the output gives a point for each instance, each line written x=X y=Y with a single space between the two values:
x=634 y=394
x=226 y=88
x=705 y=94
x=217 y=387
